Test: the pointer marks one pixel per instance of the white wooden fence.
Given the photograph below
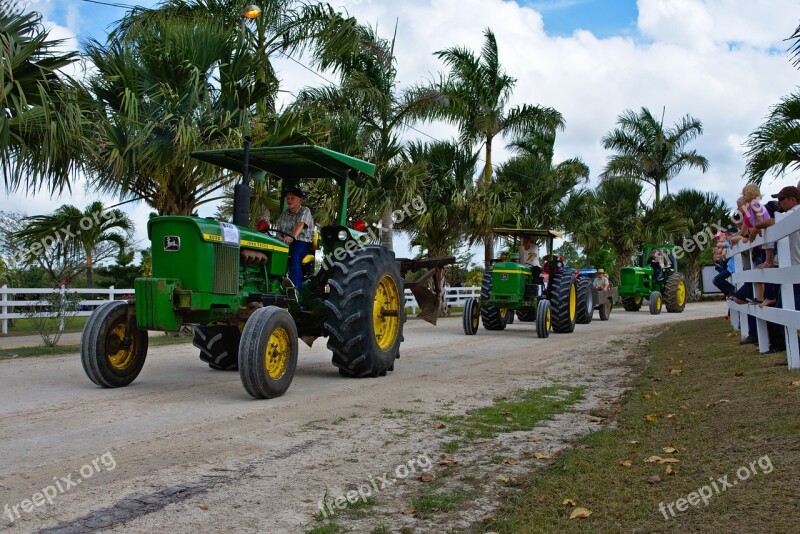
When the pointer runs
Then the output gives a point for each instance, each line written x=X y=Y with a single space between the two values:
x=456 y=296
x=786 y=275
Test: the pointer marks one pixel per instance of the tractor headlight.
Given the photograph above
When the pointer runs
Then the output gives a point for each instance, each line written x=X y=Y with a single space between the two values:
x=342 y=235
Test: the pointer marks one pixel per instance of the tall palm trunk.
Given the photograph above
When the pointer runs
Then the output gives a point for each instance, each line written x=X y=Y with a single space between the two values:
x=89 y=274
x=488 y=239
x=387 y=228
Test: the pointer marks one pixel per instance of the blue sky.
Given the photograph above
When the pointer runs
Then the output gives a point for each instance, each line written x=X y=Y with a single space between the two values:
x=660 y=54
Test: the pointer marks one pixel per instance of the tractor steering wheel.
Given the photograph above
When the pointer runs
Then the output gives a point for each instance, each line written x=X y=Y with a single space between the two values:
x=280 y=232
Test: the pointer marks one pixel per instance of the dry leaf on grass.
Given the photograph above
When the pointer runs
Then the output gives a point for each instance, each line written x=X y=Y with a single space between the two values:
x=568 y=502
x=669 y=471
x=502 y=478
x=669 y=461
x=203 y=506
x=671 y=416
x=409 y=511
x=738 y=373
x=684 y=406
x=723 y=401
x=633 y=442
x=796 y=383
x=580 y=513
x=625 y=463
x=655 y=479
x=437 y=426
x=669 y=450
x=491 y=518
x=536 y=440
x=675 y=371
x=510 y=461
x=427 y=477
x=651 y=418
x=651 y=459
x=540 y=456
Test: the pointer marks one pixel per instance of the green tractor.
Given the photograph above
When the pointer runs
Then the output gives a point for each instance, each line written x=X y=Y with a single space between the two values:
x=229 y=283
x=654 y=277
x=554 y=297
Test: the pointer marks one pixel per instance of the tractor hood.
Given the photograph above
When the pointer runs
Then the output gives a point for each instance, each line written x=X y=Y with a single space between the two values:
x=298 y=162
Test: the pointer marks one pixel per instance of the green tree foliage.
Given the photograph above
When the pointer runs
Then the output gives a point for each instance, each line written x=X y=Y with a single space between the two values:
x=647 y=152
x=774 y=147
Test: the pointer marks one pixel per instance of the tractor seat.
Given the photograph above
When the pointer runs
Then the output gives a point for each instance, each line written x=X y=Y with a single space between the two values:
x=309 y=258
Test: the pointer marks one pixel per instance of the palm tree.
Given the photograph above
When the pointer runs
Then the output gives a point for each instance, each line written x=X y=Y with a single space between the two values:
x=698 y=210
x=41 y=121
x=649 y=153
x=478 y=92
x=775 y=145
x=377 y=113
x=93 y=234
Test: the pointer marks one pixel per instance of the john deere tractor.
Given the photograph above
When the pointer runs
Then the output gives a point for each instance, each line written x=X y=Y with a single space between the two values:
x=653 y=277
x=229 y=283
x=510 y=286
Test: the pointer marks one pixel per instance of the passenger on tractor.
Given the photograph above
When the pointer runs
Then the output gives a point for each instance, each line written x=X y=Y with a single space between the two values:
x=297 y=230
x=601 y=282
x=529 y=255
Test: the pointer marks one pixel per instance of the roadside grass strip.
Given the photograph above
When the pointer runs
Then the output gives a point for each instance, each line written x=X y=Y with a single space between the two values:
x=706 y=440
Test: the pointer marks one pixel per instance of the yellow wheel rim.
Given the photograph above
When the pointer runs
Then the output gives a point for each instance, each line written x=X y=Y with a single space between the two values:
x=573 y=301
x=476 y=314
x=386 y=312
x=638 y=301
x=680 y=294
x=658 y=302
x=118 y=357
x=503 y=313
x=277 y=353
x=547 y=320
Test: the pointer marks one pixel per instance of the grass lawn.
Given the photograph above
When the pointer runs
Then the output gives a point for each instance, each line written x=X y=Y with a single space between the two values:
x=156 y=339
x=711 y=429
x=23 y=327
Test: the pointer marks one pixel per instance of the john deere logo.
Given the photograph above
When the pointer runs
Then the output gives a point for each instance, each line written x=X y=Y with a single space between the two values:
x=172 y=243
x=503 y=276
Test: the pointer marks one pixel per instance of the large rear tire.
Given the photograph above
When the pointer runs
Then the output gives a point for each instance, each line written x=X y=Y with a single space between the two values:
x=526 y=315
x=106 y=360
x=675 y=293
x=632 y=304
x=367 y=312
x=543 y=318
x=564 y=302
x=585 y=310
x=471 y=316
x=493 y=318
x=219 y=346
x=268 y=353
x=655 y=303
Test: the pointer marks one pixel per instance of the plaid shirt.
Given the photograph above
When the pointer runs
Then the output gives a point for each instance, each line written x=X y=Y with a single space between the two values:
x=288 y=220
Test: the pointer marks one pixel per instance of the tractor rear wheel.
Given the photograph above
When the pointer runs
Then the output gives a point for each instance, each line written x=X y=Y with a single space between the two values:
x=105 y=358
x=219 y=346
x=564 y=302
x=655 y=303
x=526 y=315
x=471 y=316
x=366 y=312
x=509 y=317
x=543 y=318
x=268 y=353
x=632 y=303
x=675 y=293
x=493 y=318
x=585 y=301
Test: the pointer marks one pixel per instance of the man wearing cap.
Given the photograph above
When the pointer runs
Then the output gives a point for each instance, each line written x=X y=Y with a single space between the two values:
x=601 y=283
x=297 y=226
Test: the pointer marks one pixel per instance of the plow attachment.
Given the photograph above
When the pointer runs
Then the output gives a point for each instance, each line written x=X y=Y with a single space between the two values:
x=429 y=296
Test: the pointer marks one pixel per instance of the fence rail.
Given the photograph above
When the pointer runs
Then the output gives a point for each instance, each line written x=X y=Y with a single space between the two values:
x=787 y=226
x=455 y=296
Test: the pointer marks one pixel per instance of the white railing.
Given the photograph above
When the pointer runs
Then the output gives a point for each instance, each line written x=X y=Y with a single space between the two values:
x=456 y=296
x=786 y=276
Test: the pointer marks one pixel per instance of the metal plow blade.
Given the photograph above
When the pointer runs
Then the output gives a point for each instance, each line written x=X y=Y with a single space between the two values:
x=429 y=302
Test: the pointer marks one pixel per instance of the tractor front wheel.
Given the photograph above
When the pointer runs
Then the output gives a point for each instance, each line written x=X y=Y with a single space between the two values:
x=585 y=301
x=268 y=352
x=675 y=293
x=655 y=303
x=366 y=312
x=111 y=355
x=632 y=303
x=493 y=318
x=543 y=318
x=471 y=316
x=605 y=310
x=564 y=302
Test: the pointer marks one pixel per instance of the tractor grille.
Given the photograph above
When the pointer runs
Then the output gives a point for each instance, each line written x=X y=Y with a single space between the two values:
x=226 y=270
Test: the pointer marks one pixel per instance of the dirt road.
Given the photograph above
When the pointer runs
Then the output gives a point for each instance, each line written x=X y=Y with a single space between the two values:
x=185 y=449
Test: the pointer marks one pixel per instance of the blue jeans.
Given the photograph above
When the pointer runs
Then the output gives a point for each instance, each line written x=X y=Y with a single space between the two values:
x=721 y=281
x=297 y=251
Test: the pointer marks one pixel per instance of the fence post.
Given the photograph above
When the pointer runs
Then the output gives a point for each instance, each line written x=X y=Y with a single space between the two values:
x=61 y=310
x=4 y=309
x=111 y=293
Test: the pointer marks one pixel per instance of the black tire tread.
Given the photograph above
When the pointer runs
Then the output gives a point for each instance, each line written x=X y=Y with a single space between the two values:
x=559 y=303
x=671 y=293
x=490 y=315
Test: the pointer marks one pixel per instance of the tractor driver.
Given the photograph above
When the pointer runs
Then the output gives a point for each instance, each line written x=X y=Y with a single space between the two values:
x=297 y=226
x=529 y=255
